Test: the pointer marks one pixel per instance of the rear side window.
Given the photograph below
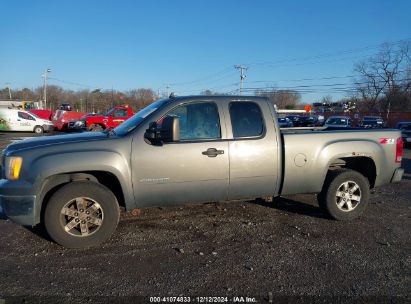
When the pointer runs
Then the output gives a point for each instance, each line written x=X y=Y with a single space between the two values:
x=246 y=119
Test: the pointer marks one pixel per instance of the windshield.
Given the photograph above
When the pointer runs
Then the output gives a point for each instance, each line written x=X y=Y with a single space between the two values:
x=109 y=112
x=32 y=114
x=133 y=122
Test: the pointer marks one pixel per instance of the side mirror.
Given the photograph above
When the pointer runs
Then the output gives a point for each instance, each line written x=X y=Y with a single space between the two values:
x=152 y=134
x=169 y=131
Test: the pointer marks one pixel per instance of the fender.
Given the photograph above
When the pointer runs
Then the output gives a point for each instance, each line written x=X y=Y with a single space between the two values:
x=44 y=169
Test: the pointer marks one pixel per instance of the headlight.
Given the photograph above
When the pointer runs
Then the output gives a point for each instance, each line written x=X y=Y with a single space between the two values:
x=13 y=166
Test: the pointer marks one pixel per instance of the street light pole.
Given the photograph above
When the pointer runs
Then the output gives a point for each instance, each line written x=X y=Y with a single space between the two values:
x=242 y=75
x=8 y=87
x=45 y=87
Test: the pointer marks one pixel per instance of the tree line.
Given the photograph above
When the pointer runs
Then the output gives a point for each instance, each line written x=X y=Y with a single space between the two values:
x=96 y=101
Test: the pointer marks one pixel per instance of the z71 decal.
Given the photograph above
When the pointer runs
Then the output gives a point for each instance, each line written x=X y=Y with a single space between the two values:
x=387 y=141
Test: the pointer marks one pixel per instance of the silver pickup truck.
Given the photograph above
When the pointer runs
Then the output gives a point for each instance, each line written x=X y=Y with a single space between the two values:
x=189 y=149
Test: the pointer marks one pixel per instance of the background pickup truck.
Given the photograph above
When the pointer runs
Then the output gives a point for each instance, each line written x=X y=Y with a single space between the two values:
x=189 y=149
x=100 y=122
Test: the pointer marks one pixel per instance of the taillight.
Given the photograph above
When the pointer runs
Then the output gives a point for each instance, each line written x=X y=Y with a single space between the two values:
x=398 y=151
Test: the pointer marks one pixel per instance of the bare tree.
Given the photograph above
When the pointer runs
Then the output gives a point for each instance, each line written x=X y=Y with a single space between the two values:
x=283 y=99
x=384 y=78
x=142 y=96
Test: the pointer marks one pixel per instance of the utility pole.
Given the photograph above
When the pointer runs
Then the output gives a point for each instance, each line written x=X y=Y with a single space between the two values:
x=45 y=87
x=241 y=68
x=8 y=87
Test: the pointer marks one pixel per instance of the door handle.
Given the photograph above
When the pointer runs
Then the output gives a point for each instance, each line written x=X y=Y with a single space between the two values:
x=212 y=152
x=18 y=120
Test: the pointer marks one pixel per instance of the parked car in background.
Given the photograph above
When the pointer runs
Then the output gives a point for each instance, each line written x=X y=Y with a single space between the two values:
x=108 y=120
x=285 y=122
x=372 y=122
x=293 y=119
x=402 y=125
x=20 y=120
x=65 y=107
x=80 y=125
x=308 y=121
x=61 y=118
x=338 y=122
x=406 y=134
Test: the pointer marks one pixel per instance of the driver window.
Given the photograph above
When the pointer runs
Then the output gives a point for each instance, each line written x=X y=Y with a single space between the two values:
x=198 y=121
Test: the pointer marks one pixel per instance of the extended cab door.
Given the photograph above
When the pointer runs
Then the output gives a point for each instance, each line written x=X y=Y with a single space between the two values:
x=254 y=152
x=194 y=169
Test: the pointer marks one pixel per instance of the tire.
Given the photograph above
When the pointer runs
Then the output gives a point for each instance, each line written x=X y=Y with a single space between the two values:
x=81 y=214
x=345 y=194
x=96 y=128
x=38 y=130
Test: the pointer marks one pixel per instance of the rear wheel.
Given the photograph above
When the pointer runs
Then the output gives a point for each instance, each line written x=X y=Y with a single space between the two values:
x=345 y=194
x=81 y=214
x=38 y=129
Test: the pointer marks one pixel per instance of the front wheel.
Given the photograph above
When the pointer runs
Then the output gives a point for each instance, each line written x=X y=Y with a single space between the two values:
x=81 y=214
x=38 y=130
x=345 y=194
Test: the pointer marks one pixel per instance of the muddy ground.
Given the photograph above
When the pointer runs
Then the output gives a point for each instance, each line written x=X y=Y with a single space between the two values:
x=255 y=249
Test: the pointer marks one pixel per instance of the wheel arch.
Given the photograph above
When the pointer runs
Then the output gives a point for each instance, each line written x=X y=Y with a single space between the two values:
x=362 y=164
x=55 y=182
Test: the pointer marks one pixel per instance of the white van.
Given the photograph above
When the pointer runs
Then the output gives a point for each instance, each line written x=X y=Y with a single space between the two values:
x=19 y=120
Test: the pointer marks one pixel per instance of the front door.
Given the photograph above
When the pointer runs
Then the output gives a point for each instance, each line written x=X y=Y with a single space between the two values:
x=25 y=122
x=194 y=169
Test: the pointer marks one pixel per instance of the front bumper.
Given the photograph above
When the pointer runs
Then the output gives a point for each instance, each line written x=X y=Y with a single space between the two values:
x=18 y=203
x=48 y=128
x=397 y=176
x=76 y=126
x=19 y=209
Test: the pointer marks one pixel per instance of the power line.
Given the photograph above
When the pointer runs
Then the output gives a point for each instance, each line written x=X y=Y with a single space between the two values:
x=334 y=54
x=74 y=83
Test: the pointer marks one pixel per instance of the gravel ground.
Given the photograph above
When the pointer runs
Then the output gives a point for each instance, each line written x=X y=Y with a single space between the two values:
x=255 y=249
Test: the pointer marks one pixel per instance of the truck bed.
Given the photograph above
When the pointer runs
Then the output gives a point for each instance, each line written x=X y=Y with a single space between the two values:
x=306 y=153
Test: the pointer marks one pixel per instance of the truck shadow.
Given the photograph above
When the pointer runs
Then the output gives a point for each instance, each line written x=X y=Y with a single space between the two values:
x=40 y=231
x=292 y=206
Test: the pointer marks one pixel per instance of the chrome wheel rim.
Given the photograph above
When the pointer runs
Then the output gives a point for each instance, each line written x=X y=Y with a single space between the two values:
x=348 y=196
x=81 y=217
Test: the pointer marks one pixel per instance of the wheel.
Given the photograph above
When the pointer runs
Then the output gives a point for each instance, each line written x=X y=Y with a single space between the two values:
x=81 y=214
x=96 y=128
x=345 y=194
x=38 y=130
